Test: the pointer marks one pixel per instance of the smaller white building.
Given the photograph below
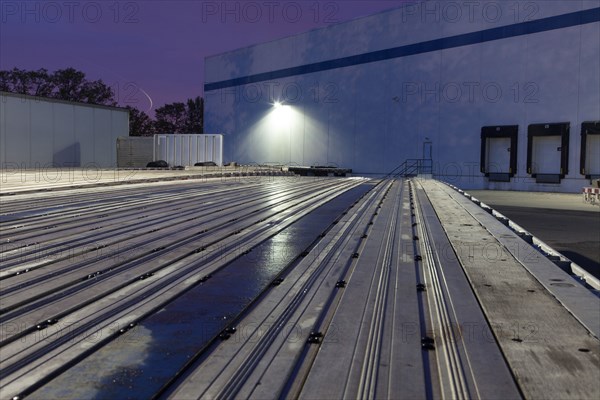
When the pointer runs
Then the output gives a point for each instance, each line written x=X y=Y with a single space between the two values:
x=38 y=132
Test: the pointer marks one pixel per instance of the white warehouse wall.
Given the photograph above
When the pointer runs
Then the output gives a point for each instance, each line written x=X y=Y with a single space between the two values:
x=42 y=133
x=371 y=116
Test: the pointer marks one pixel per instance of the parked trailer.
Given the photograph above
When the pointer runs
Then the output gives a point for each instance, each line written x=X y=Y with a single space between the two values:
x=188 y=149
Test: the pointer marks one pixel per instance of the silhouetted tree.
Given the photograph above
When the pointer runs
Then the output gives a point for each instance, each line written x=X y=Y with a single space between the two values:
x=195 y=115
x=64 y=84
x=185 y=117
x=140 y=124
x=171 y=118
x=72 y=85
x=5 y=81
x=41 y=83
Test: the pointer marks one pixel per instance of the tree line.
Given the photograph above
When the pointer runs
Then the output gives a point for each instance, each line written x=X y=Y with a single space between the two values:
x=72 y=85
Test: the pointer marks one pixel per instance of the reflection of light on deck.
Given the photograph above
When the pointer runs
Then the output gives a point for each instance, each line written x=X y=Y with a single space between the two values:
x=108 y=366
x=274 y=252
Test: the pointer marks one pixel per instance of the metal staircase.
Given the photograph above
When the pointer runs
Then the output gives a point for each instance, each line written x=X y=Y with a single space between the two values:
x=413 y=167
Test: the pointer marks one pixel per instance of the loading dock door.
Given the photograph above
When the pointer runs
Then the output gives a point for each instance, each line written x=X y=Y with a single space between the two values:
x=590 y=150
x=548 y=152
x=499 y=152
x=592 y=156
x=498 y=155
x=546 y=155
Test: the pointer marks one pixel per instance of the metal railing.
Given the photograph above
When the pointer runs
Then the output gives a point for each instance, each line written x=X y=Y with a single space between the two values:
x=413 y=167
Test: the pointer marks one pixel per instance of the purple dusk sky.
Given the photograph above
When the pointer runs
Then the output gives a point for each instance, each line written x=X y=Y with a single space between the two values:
x=154 y=47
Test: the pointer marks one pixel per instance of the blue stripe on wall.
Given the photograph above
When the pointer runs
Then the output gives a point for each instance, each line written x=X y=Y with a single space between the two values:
x=488 y=35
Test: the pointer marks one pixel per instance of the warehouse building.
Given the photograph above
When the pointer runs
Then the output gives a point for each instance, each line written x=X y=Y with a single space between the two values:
x=39 y=132
x=498 y=95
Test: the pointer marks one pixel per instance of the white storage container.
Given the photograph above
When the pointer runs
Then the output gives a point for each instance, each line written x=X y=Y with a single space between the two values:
x=187 y=150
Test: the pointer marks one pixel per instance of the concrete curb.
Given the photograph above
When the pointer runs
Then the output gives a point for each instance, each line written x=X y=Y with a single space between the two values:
x=573 y=269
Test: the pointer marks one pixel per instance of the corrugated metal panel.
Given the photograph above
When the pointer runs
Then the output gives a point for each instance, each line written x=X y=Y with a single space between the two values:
x=18 y=127
x=42 y=133
x=187 y=150
x=134 y=152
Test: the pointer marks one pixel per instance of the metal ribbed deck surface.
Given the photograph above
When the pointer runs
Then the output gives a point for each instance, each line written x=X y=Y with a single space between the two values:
x=283 y=287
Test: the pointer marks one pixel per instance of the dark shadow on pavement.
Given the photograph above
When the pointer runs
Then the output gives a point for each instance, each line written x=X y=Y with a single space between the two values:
x=589 y=265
